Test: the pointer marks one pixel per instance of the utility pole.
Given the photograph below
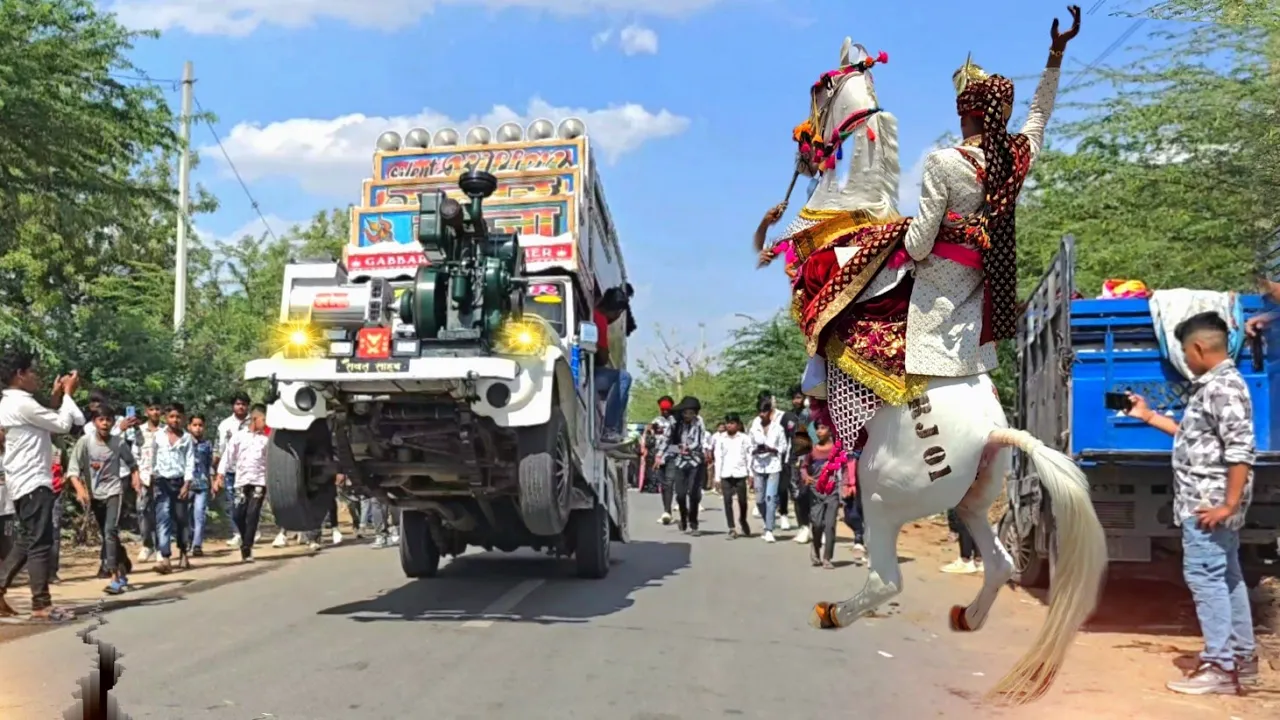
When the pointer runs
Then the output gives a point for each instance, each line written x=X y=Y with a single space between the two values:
x=184 y=191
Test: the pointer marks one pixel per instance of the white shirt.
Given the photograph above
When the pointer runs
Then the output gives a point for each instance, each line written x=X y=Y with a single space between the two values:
x=773 y=437
x=29 y=429
x=246 y=456
x=226 y=429
x=733 y=455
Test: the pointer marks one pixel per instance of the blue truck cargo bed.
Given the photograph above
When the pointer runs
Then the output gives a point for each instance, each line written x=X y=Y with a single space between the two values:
x=1115 y=347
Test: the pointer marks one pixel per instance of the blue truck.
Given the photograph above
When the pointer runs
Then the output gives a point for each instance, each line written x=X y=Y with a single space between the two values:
x=1071 y=352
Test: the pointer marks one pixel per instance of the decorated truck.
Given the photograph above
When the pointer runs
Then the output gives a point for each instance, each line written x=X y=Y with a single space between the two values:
x=445 y=365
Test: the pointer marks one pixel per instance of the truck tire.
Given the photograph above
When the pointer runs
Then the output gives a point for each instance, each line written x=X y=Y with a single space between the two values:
x=546 y=476
x=419 y=556
x=1029 y=569
x=592 y=541
x=299 y=501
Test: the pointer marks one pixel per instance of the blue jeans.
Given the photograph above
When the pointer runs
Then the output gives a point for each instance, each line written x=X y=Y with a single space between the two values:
x=617 y=385
x=171 y=515
x=199 y=504
x=229 y=493
x=766 y=485
x=1211 y=567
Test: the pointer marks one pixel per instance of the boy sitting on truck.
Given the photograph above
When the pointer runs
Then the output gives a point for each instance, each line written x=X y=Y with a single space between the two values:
x=1213 y=455
x=612 y=382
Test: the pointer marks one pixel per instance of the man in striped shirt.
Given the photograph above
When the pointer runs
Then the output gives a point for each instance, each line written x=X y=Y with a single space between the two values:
x=246 y=456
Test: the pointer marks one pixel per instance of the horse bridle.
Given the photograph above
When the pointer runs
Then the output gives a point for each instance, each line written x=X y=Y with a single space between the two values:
x=817 y=148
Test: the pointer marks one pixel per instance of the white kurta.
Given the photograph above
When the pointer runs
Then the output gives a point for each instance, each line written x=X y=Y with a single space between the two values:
x=944 y=321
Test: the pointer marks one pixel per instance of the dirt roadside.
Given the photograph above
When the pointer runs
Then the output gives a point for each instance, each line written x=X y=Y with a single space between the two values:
x=81 y=589
x=1144 y=635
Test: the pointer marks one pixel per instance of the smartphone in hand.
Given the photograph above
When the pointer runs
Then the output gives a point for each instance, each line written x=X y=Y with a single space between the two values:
x=1118 y=401
x=131 y=412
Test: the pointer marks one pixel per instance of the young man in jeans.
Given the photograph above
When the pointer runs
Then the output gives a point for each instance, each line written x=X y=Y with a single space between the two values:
x=99 y=467
x=1213 y=454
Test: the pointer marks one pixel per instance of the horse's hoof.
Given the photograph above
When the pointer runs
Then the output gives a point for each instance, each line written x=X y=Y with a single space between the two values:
x=824 y=616
x=959 y=623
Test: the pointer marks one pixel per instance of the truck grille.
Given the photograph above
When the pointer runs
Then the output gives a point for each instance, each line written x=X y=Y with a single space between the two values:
x=1115 y=515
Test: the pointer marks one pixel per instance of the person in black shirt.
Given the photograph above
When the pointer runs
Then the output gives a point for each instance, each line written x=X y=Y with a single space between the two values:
x=795 y=422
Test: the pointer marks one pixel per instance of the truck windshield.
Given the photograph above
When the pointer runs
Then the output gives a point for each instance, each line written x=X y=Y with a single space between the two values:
x=547 y=301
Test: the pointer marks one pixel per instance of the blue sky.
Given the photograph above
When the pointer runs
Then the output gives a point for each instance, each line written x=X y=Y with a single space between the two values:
x=693 y=102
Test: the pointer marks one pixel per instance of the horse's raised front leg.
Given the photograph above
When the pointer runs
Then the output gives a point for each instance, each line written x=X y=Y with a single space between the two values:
x=884 y=579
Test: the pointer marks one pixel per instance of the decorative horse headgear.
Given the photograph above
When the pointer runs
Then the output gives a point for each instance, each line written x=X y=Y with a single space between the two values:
x=823 y=151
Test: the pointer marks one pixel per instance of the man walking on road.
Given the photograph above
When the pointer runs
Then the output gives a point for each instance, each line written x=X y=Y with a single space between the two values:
x=173 y=470
x=104 y=458
x=246 y=456
x=144 y=445
x=238 y=421
x=1213 y=455
x=29 y=430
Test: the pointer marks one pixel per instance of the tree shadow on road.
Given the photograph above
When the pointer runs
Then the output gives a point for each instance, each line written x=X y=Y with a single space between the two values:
x=473 y=587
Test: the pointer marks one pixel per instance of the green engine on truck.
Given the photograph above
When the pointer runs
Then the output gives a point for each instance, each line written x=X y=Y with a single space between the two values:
x=472 y=284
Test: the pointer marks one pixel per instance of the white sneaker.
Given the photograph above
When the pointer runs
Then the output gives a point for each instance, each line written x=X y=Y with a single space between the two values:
x=379 y=543
x=144 y=555
x=755 y=511
x=257 y=538
x=859 y=548
x=665 y=519
x=784 y=523
x=315 y=547
x=960 y=567
x=337 y=537
x=768 y=537
x=803 y=536
x=281 y=540
x=234 y=541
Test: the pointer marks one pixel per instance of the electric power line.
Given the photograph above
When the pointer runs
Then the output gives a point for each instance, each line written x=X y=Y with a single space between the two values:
x=253 y=202
x=144 y=77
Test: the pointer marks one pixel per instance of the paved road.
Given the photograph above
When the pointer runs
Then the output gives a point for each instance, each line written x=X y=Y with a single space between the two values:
x=682 y=629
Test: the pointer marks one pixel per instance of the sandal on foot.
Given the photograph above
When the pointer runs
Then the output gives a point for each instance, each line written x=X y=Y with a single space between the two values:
x=52 y=615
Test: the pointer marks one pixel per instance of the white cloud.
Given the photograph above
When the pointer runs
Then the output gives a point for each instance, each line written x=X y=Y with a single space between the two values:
x=636 y=39
x=254 y=228
x=601 y=39
x=331 y=157
x=242 y=17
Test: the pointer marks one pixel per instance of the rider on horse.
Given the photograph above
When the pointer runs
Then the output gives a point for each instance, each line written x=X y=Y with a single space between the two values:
x=954 y=290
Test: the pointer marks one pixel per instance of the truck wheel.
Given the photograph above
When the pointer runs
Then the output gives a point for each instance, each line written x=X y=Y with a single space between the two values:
x=419 y=556
x=546 y=476
x=593 y=542
x=300 y=498
x=1029 y=569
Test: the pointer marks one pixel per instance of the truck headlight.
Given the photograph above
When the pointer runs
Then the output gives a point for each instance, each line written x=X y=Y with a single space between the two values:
x=522 y=337
x=298 y=340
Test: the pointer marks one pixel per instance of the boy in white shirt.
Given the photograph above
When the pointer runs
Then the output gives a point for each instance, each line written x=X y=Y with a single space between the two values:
x=733 y=467
x=769 y=443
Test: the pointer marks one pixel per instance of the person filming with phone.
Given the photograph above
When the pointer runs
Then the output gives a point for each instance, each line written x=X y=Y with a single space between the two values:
x=1213 y=456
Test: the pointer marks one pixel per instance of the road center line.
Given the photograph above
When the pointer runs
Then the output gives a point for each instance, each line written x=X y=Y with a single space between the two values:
x=505 y=604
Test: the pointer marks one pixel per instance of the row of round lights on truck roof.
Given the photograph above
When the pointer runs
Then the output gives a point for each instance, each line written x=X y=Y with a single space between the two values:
x=510 y=132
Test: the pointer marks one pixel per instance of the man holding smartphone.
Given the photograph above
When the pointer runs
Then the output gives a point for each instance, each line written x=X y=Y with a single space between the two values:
x=1213 y=455
x=28 y=464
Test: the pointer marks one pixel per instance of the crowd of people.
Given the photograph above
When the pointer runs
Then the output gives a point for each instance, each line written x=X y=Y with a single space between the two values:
x=783 y=458
x=157 y=474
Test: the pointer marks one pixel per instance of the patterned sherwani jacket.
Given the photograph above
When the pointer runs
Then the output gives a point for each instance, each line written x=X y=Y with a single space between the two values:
x=944 y=321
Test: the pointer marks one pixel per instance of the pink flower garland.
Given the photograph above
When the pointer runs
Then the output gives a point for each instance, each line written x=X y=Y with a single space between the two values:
x=826 y=484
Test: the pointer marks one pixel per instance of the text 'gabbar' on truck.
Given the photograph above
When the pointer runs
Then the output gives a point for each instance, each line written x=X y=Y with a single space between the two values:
x=445 y=366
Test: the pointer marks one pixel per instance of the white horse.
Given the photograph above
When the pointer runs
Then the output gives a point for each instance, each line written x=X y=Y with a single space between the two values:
x=951 y=448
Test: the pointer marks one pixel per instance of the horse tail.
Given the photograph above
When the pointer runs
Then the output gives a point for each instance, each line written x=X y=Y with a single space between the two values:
x=1079 y=570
